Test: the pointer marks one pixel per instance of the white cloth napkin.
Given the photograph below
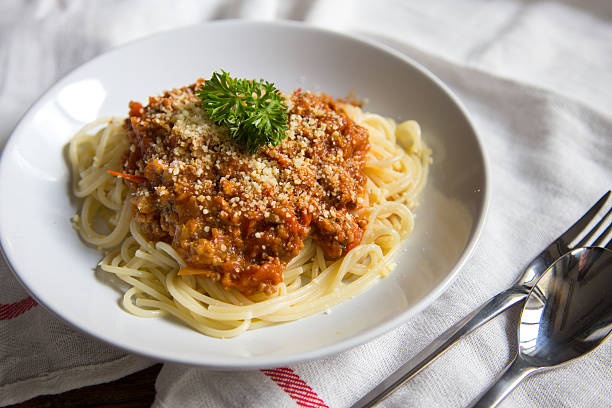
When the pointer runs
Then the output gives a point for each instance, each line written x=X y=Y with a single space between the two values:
x=536 y=79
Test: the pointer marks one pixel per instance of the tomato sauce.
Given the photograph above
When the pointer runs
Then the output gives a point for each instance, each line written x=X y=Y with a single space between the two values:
x=238 y=217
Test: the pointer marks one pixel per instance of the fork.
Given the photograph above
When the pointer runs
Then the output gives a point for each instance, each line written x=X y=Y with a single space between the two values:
x=500 y=302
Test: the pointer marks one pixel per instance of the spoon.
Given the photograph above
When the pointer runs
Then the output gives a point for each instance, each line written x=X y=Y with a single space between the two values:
x=567 y=314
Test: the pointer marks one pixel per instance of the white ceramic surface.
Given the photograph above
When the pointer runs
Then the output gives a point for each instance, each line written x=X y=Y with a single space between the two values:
x=58 y=269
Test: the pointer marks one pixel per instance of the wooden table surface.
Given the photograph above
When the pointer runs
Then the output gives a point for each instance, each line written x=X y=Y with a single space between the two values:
x=134 y=391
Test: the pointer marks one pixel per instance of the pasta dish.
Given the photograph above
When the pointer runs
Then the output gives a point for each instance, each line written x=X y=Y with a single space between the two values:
x=227 y=239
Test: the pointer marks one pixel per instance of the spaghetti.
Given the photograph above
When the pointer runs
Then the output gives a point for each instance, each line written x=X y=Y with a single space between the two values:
x=311 y=282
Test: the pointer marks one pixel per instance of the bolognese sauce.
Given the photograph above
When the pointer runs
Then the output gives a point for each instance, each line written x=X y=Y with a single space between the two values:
x=239 y=217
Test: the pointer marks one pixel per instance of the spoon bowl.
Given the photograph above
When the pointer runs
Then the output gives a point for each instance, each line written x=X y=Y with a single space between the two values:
x=567 y=314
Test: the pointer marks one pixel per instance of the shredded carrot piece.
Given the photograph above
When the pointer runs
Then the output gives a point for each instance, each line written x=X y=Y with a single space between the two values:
x=188 y=270
x=129 y=177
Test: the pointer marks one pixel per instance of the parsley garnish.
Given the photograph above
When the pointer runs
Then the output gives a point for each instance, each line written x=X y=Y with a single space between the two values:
x=253 y=111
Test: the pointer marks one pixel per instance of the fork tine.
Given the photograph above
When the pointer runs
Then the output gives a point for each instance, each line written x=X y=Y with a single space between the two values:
x=602 y=237
x=599 y=239
x=574 y=231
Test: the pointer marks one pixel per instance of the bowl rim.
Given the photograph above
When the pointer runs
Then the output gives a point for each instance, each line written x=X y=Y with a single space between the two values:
x=259 y=362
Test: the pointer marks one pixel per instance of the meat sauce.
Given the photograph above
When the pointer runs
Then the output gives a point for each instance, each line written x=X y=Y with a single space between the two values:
x=239 y=217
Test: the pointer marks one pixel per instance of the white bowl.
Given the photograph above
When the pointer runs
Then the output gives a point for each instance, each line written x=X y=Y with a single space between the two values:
x=49 y=259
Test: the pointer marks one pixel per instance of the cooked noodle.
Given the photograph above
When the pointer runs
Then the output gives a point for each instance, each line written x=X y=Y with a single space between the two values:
x=311 y=284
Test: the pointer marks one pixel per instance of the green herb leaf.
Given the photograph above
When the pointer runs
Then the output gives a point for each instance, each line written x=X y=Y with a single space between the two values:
x=253 y=111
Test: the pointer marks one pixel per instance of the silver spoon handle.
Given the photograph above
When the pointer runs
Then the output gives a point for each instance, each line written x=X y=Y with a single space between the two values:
x=471 y=322
x=503 y=385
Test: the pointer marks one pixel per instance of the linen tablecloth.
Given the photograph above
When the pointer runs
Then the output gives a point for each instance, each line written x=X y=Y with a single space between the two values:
x=536 y=77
